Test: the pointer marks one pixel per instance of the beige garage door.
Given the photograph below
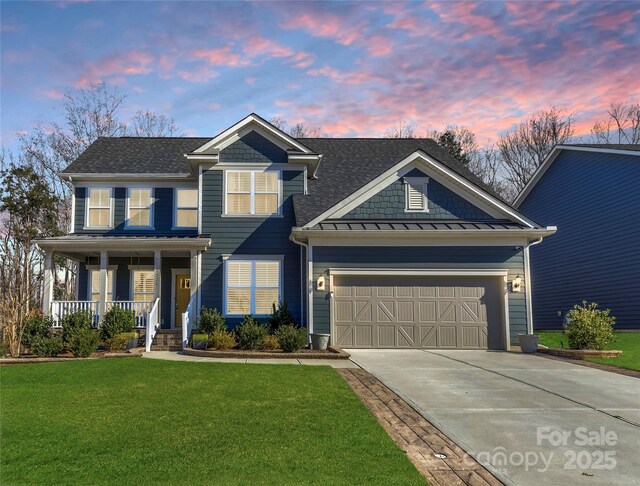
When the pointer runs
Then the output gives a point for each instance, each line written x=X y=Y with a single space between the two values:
x=417 y=312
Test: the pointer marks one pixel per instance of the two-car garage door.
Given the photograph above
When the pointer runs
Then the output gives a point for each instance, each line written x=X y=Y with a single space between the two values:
x=417 y=312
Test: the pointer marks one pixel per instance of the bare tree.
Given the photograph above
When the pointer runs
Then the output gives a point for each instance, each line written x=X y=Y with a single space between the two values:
x=299 y=130
x=403 y=129
x=523 y=149
x=621 y=126
x=146 y=123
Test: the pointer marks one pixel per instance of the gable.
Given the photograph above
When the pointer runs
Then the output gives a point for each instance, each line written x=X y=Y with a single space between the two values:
x=253 y=148
x=442 y=204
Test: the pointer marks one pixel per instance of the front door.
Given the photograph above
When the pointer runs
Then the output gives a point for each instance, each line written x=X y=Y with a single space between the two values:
x=183 y=294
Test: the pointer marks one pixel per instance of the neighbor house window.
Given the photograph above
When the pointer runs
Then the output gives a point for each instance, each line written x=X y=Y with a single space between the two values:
x=139 y=208
x=253 y=286
x=186 y=208
x=416 y=194
x=94 y=285
x=143 y=285
x=99 y=208
x=253 y=192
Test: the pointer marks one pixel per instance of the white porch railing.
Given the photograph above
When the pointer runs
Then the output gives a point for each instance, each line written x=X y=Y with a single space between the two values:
x=140 y=309
x=153 y=324
x=61 y=308
x=187 y=324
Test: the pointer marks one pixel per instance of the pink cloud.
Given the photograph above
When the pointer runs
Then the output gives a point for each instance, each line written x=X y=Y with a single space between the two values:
x=321 y=23
x=115 y=67
x=54 y=94
x=198 y=74
x=302 y=59
x=223 y=56
x=256 y=45
x=379 y=45
x=613 y=21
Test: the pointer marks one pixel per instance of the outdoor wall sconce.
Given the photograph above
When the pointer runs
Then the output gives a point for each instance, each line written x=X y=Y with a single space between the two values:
x=320 y=283
x=516 y=285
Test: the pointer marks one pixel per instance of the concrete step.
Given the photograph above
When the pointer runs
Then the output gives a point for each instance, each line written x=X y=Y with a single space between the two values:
x=167 y=340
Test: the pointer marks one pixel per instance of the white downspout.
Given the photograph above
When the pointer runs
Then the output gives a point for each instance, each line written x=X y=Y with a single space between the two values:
x=307 y=289
x=527 y=270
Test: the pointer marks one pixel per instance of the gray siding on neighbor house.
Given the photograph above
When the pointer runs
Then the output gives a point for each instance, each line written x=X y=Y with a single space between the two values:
x=249 y=236
x=162 y=212
x=594 y=200
x=253 y=148
x=429 y=257
x=443 y=203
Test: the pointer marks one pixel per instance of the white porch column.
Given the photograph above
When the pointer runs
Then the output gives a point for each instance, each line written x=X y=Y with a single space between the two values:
x=104 y=269
x=157 y=273
x=195 y=284
x=47 y=291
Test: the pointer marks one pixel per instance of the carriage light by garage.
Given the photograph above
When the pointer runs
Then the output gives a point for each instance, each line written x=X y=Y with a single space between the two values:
x=320 y=283
x=516 y=285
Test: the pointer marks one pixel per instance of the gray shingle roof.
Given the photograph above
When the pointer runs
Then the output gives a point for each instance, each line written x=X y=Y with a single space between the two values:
x=134 y=155
x=350 y=163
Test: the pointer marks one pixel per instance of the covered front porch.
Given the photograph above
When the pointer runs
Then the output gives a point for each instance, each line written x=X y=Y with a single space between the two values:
x=157 y=278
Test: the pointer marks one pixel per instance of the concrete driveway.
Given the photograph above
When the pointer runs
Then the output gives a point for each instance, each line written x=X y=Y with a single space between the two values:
x=529 y=419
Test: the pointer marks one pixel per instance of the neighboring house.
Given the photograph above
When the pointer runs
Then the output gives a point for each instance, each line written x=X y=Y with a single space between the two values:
x=379 y=242
x=592 y=193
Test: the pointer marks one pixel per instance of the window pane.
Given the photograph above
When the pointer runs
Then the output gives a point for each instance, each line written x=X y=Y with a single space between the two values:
x=99 y=217
x=267 y=274
x=99 y=197
x=139 y=217
x=266 y=203
x=239 y=274
x=187 y=218
x=140 y=198
x=239 y=182
x=143 y=282
x=95 y=285
x=239 y=301
x=265 y=298
x=187 y=198
x=266 y=182
x=239 y=203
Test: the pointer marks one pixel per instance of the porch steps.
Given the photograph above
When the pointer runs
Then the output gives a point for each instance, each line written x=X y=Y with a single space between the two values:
x=167 y=340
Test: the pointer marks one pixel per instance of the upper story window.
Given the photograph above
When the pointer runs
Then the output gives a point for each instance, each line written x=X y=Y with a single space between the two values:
x=416 y=194
x=186 y=205
x=253 y=193
x=139 y=208
x=99 y=208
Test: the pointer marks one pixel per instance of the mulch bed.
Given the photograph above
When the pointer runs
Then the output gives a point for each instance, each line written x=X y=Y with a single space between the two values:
x=330 y=353
x=30 y=358
x=589 y=364
x=415 y=435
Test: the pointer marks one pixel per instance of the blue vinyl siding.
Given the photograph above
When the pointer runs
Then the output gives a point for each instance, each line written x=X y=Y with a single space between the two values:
x=594 y=199
x=431 y=257
x=162 y=212
x=253 y=148
x=443 y=204
x=249 y=236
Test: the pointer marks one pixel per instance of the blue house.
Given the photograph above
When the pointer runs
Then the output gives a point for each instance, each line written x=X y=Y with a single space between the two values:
x=377 y=242
x=592 y=193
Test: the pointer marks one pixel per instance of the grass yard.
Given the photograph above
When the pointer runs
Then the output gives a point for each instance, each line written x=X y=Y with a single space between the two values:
x=627 y=342
x=142 y=421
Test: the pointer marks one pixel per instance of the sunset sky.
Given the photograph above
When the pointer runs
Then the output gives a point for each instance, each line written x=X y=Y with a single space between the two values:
x=352 y=69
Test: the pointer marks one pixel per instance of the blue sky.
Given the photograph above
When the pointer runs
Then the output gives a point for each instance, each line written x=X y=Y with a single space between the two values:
x=352 y=69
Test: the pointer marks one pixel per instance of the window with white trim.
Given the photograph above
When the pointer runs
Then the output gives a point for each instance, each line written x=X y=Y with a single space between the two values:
x=416 y=194
x=186 y=208
x=94 y=285
x=253 y=192
x=99 y=207
x=143 y=289
x=253 y=286
x=139 y=207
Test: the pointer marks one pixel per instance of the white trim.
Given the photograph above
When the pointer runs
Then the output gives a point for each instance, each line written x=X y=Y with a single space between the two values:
x=507 y=323
x=252 y=194
x=152 y=201
x=119 y=242
x=174 y=272
x=400 y=272
x=253 y=259
x=118 y=177
x=310 y=287
x=200 y=177
x=256 y=166
x=146 y=268
x=72 y=224
x=141 y=183
x=174 y=224
x=395 y=172
x=372 y=240
x=408 y=181
x=249 y=120
x=96 y=268
x=87 y=198
x=141 y=268
x=540 y=171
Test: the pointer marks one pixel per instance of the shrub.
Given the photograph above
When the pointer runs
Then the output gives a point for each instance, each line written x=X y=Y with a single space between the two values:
x=46 y=347
x=280 y=316
x=38 y=326
x=222 y=340
x=118 y=342
x=210 y=321
x=74 y=322
x=116 y=321
x=589 y=327
x=291 y=338
x=271 y=342
x=83 y=342
x=250 y=334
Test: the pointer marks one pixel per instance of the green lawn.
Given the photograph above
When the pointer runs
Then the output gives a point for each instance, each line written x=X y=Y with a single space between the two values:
x=142 y=421
x=627 y=342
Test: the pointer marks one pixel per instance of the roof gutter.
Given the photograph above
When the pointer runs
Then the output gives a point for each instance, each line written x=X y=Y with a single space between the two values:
x=122 y=243
x=416 y=234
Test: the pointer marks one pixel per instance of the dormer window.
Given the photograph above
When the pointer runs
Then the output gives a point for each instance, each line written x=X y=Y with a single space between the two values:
x=99 y=207
x=416 y=194
x=252 y=193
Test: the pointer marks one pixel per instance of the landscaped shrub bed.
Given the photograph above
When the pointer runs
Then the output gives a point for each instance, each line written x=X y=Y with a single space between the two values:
x=279 y=332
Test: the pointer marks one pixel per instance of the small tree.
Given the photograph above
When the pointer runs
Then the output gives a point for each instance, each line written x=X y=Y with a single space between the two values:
x=280 y=316
x=589 y=327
